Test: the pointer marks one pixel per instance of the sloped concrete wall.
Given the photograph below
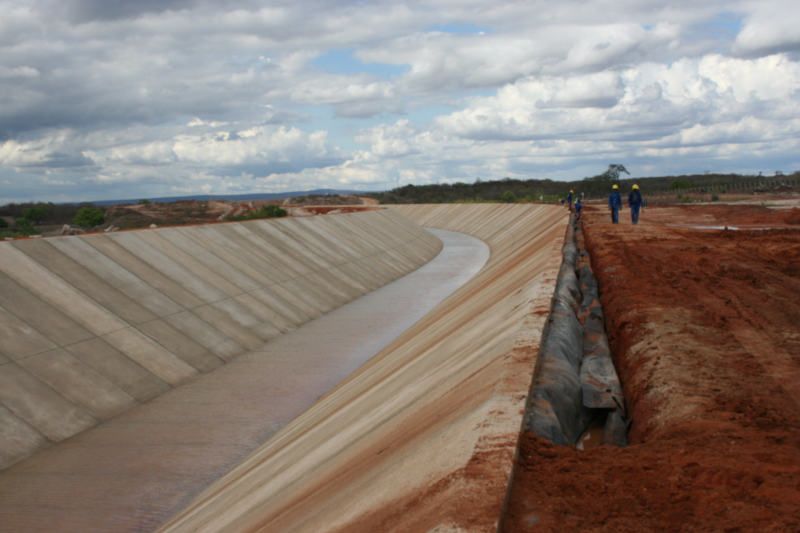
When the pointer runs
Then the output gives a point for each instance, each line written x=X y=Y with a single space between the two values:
x=93 y=325
x=423 y=436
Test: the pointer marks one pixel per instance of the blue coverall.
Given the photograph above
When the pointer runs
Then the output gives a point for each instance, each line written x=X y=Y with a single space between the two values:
x=615 y=203
x=569 y=201
x=635 y=202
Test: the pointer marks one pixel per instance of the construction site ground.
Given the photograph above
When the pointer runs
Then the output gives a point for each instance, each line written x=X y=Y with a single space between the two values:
x=703 y=317
x=704 y=323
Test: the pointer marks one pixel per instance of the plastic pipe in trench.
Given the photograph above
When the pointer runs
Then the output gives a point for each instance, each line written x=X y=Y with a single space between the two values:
x=575 y=385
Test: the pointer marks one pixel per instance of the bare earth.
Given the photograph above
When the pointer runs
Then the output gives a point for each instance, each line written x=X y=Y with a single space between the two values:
x=705 y=327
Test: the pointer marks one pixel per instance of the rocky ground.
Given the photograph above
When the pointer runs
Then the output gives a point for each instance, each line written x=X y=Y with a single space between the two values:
x=705 y=328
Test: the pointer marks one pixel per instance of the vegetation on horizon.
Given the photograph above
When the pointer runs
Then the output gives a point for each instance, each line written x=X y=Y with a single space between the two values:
x=598 y=186
x=89 y=217
x=29 y=218
x=267 y=211
x=23 y=219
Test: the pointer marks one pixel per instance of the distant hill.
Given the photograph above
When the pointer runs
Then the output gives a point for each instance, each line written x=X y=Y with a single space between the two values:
x=231 y=197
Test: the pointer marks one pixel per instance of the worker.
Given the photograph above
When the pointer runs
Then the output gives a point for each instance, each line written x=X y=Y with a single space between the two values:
x=635 y=203
x=578 y=206
x=615 y=203
x=570 y=197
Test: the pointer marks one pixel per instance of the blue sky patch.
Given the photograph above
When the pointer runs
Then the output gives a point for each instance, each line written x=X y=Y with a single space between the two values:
x=344 y=62
x=728 y=24
x=460 y=29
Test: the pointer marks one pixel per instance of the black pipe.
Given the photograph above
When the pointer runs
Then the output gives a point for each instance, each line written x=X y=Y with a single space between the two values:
x=574 y=382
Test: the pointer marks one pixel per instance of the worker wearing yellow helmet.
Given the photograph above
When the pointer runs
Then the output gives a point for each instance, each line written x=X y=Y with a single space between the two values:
x=635 y=203
x=615 y=203
x=570 y=198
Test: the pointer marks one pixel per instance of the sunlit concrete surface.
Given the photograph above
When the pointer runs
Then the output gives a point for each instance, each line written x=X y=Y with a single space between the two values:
x=422 y=436
x=135 y=471
x=91 y=326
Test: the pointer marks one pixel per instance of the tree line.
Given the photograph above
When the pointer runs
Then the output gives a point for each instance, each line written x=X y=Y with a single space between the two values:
x=599 y=186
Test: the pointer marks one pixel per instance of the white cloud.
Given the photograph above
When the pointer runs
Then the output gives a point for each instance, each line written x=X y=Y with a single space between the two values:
x=18 y=72
x=197 y=122
x=183 y=94
x=774 y=77
x=770 y=27
x=686 y=92
x=341 y=89
x=258 y=145
x=390 y=140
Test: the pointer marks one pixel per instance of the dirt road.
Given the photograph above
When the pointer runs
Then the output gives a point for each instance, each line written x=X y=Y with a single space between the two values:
x=705 y=328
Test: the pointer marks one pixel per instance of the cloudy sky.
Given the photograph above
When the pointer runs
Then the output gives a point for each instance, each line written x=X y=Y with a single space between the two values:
x=105 y=99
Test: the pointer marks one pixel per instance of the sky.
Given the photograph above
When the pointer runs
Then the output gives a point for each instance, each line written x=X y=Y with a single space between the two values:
x=114 y=99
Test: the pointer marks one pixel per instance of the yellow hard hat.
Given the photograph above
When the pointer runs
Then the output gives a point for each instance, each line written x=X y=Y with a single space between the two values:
x=635 y=186
x=615 y=186
x=571 y=190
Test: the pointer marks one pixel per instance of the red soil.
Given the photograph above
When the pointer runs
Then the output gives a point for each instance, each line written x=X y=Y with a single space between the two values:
x=705 y=325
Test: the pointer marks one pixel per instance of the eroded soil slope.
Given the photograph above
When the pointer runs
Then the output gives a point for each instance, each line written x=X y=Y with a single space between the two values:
x=705 y=325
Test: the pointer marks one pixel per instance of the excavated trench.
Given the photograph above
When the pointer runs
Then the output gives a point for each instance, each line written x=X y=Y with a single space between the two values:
x=575 y=394
x=575 y=397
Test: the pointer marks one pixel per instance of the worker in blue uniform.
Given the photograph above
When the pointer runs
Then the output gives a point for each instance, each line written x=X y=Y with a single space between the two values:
x=615 y=203
x=635 y=203
x=570 y=198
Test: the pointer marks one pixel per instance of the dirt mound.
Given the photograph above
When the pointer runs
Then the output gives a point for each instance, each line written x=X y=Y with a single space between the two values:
x=140 y=215
x=185 y=212
x=327 y=210
x=705 y=325
x=741 y=214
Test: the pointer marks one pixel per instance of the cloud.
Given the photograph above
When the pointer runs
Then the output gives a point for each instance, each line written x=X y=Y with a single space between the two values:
x=50 y=152
x=390 y=140
x=352 y=96
x=104 y=10
x=770 y=27
x=259 y=150
x=685 y=93
x=182 y=94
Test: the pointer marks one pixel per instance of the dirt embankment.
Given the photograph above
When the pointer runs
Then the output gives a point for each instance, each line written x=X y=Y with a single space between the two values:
x=705 y=325
x=183 y=212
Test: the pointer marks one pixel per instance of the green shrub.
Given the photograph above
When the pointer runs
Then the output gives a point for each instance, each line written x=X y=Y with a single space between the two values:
x=89 y=217
x=680 y=184
x=509 y=197
x=3 y=223
x=267 y=211
x=34 y=214
x=144 y=201
x=714 y=198
x=23 y=226
x=271 y=211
